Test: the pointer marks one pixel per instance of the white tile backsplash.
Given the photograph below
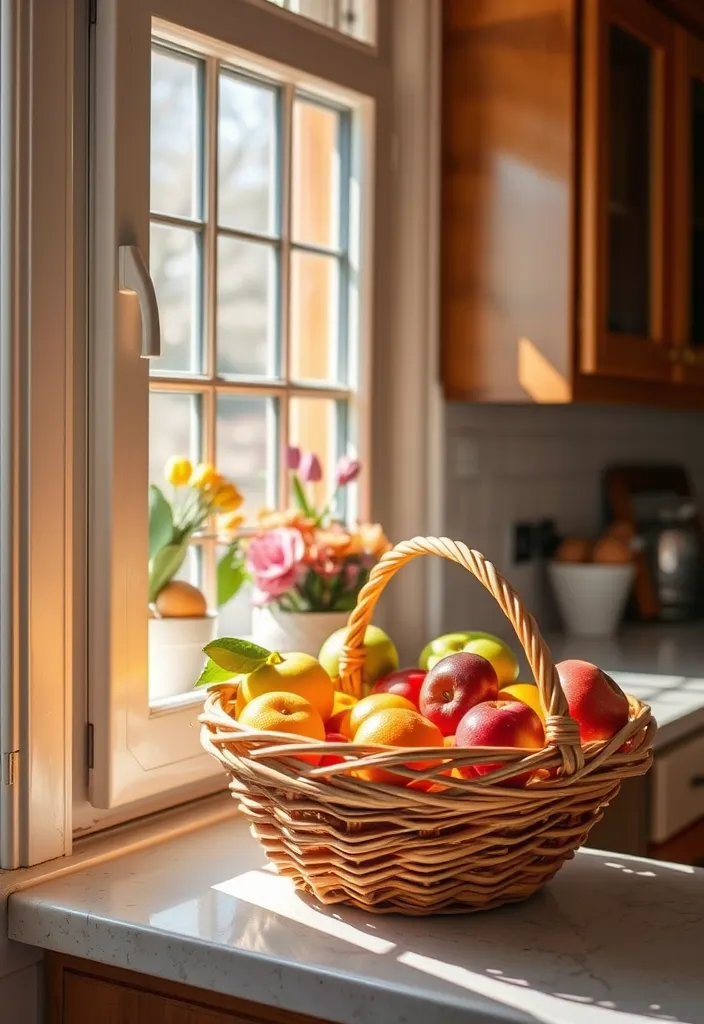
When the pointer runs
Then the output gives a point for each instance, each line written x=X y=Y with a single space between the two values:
x=533 y=462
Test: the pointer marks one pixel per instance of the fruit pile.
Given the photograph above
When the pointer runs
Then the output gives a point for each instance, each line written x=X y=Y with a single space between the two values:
x=463 y=693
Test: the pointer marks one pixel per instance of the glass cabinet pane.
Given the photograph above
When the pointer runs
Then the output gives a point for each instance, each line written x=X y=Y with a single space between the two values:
x=630 y=136
x=697 y=208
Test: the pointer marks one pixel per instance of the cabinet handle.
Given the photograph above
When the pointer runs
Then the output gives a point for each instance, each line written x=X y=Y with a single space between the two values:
x=134 y=277
x=697 y=780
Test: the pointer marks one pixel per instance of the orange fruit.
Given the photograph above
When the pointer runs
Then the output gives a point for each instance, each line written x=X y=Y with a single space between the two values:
x=295 y=673
x=527 y=693
x=370 y=705
x=285 y=712
x=396 y=727
x=240 y=702
x=341 y=708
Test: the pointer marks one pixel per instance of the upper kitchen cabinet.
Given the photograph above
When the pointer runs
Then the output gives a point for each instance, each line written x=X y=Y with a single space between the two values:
x=688 y=266
x=573 y=246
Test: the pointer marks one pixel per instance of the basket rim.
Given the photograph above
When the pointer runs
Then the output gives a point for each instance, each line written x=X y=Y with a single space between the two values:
x=220 y=730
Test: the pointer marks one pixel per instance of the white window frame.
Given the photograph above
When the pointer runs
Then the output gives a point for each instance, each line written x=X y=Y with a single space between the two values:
x=44 y=797
x=139 y=752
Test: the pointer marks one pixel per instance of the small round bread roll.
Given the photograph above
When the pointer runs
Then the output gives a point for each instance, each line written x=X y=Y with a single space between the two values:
x=611 y=551
x=574 y=549
x=180 y=600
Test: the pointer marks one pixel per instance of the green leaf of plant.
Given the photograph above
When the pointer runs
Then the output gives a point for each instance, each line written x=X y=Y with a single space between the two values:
x=300 y=496
x=237 y=656
x=164 y=566
x=231 y=574
x=161 y=521
x=213 y=674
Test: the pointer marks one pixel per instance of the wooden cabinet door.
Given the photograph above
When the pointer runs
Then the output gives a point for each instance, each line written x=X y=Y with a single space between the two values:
x=688 y=201
x=627 y=76
x=93 y=1001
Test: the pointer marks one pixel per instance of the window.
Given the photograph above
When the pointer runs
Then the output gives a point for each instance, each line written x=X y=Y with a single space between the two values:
x=354 y=18
x=250 y=255
x=250 y=194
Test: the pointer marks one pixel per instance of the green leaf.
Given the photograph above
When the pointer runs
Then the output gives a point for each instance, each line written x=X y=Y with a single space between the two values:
x=164 y=566
x=237 y=655
x=161 y=521
x=213 y=674
x=300 y=496
x=231 y=574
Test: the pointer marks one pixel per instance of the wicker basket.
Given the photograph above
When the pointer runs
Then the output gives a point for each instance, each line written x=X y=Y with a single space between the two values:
x=473 y=845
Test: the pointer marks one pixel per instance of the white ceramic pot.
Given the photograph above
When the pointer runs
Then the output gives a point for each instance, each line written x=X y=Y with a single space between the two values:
x=294 y=631
x=591 y=598
x=176 y=656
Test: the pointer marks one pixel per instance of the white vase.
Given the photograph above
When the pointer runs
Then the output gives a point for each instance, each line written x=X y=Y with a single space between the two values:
x=294 y=631
x=176 y=656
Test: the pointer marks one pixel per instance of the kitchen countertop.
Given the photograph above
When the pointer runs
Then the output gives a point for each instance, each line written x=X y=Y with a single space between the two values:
x=611 y=940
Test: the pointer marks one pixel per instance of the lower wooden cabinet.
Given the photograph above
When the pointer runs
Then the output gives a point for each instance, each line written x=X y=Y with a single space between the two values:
x=81 y=992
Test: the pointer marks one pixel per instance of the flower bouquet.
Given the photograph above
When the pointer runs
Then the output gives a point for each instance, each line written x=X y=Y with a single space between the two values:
x=306 y=565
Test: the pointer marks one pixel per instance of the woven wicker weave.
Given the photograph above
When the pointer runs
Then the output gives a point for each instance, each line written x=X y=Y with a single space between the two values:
x=474 y=845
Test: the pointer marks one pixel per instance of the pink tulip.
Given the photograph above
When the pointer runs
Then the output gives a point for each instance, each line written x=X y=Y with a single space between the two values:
x=309 y=468
x=293 y=457
x=348 y=469
x=275 y=562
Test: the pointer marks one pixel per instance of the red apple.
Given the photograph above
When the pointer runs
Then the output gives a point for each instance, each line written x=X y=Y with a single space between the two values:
x=406 y=682
x=329 y=759
x=500 y=723
x=596 y=702
x=453 y=686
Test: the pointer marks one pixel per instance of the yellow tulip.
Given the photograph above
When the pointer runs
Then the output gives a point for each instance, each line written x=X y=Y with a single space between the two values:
x=178 y=471
x=205 y=477
x=231 y=523
x=227 y=498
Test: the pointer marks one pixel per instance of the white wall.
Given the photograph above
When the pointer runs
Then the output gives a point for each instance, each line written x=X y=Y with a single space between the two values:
x=506 y=463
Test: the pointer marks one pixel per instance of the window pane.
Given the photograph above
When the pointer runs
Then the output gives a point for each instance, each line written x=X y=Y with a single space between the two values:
x=315 y=317
x=246 y=443
x=176 y=135
x=319 y=425
x=247 y=199
x=356 y=18
x=174 y=262
x=315 y=204
x=247 y=308
x=174 y=429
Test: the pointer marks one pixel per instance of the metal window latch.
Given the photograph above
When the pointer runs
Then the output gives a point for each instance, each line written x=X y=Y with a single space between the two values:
x=134 y=277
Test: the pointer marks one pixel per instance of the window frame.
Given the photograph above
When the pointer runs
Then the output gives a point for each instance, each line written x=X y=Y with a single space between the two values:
x=43 y=709
x=133 y=745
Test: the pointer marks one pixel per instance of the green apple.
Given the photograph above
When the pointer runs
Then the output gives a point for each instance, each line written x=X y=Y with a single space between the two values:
x=475 y=642
x=380 y=654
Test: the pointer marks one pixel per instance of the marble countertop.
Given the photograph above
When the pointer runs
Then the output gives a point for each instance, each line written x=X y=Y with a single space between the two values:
x=611 y=940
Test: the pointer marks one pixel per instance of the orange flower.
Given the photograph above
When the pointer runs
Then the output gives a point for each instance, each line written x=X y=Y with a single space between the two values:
x=373 y=540
x=291 y=517
x=338 y=543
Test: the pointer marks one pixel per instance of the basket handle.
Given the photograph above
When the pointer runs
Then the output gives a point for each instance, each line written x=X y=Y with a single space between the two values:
x=561 y=731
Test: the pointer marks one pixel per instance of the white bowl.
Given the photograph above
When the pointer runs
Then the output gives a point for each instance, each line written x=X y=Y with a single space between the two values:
x=591 y=598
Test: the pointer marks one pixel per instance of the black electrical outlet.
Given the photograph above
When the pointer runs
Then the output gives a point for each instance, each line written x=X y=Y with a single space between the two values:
x=546 y=539
x=522 y=542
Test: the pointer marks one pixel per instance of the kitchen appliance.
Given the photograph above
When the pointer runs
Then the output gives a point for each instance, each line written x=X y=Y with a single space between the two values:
x=659 y=504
